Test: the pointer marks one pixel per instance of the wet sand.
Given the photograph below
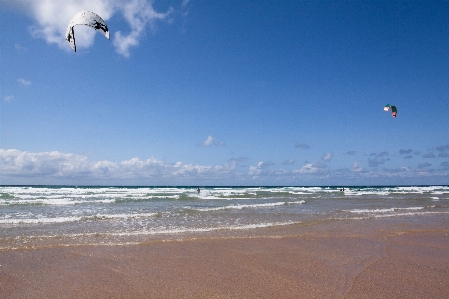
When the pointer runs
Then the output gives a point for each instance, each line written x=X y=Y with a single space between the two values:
x=340 y=259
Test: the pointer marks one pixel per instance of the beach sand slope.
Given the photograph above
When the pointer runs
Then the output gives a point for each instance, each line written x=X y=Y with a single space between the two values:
x=340 y=260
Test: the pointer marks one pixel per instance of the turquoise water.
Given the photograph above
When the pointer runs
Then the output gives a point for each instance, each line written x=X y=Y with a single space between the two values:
x=36 y=216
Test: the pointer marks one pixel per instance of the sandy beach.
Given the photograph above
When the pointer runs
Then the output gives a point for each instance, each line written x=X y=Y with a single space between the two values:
x=378 y=258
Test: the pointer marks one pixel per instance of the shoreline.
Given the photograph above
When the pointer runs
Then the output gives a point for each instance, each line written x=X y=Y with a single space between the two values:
x=396 y=258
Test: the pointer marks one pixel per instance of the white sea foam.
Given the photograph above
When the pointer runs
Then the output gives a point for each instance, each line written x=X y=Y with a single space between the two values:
x=71 y=196
x=181 y=230
x=54 y=201
x=39 y=220
x=389 y=210
x=244 y=206
x=42 y=219
x=365 y=192
x=410 y=214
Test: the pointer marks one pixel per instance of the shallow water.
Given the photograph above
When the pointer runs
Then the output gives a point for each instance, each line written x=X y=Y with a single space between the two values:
x=39 y=216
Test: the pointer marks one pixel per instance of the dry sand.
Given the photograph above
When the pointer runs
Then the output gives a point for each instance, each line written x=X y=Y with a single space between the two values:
x=340 y=259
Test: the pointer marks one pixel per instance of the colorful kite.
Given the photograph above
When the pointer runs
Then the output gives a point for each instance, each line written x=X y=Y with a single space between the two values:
x=394 y=110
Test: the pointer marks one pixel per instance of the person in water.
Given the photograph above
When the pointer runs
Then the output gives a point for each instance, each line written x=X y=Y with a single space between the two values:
x=198 y=191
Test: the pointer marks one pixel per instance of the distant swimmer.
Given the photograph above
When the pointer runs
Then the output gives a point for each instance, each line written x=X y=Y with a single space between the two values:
x=198 y=191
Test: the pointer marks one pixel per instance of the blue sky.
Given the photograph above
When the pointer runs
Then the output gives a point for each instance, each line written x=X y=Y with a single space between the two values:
x=225 y=93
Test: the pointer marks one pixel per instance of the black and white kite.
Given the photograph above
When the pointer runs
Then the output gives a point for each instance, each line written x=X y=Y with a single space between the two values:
x=87 y=18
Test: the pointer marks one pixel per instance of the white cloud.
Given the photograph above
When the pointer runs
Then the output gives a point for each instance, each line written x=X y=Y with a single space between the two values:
x=357 y=167
x=21 y=167
x=56 y=165
x=53 y=18
x=138 y=13
x=20 y=48
x=8 y=99
x=327 y=157
x=290 y=161
x=262 y=164
x=254 y=171
x=261 y=168
x=24 y=82
x=310 y=168
x=209 y=141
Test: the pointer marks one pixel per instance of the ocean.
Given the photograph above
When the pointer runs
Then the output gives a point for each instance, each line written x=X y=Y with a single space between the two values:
x=46 y=216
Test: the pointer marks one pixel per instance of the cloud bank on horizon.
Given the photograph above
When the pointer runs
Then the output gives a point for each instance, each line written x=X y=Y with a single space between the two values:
x=19 y=167
x=52 y=19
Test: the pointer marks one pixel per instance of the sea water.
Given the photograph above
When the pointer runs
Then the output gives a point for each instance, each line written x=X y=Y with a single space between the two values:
x=42 y=216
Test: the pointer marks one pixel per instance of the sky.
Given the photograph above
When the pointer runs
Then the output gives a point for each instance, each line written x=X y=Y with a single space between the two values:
x=215 y=93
